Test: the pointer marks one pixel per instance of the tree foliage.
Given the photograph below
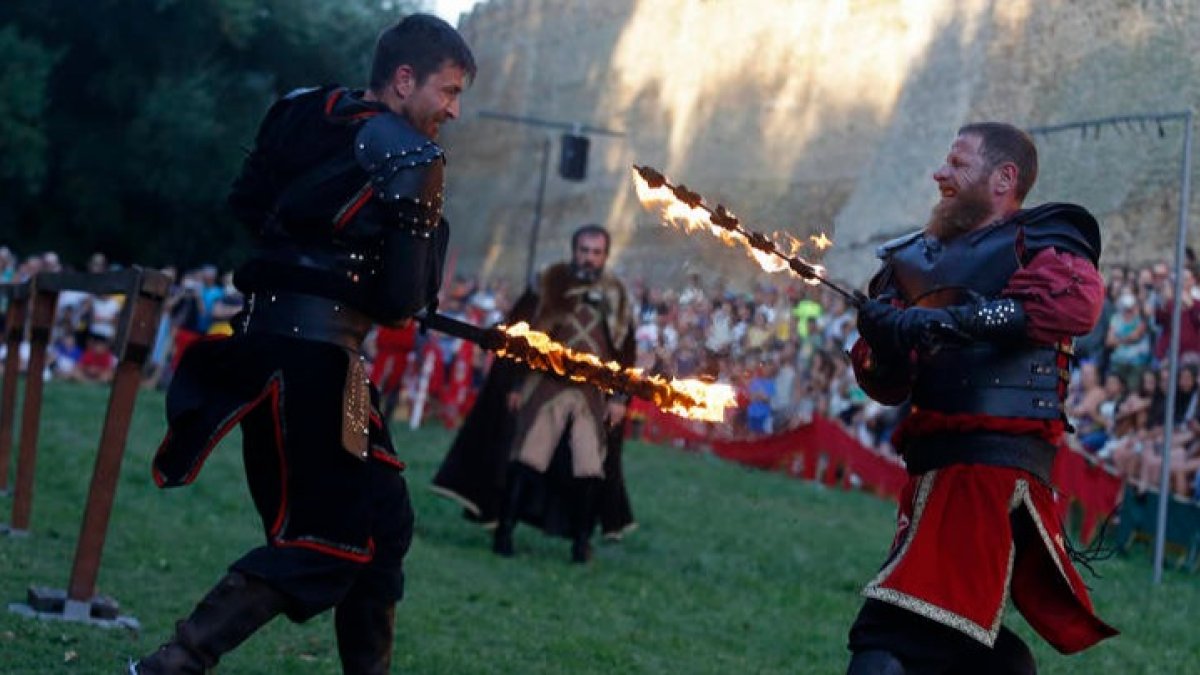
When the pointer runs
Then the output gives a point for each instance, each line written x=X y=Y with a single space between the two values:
x=122 y=122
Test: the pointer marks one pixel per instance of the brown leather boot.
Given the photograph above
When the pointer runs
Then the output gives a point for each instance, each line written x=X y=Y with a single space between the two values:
x=365 y=626
x=236 y=607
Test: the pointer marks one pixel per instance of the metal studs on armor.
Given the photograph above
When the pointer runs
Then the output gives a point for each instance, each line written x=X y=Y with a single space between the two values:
x=998 y=314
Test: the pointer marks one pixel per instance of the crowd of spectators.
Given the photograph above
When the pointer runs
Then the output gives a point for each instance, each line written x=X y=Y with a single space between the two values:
x=781 y=345
x=85 y=324
x=1118 y=400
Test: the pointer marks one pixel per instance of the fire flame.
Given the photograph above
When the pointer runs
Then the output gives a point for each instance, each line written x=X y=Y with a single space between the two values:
x=691 y=218
x=693 y=399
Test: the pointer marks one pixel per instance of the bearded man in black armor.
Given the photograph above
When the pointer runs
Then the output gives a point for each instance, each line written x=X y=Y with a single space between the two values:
x=971 y=321
x=344 y=191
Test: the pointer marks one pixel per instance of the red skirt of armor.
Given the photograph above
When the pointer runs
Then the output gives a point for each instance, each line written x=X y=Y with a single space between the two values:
x=957 y=557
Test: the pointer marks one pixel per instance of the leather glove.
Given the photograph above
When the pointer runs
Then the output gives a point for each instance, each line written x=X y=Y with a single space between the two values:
x=892 y=332
x=876 y=324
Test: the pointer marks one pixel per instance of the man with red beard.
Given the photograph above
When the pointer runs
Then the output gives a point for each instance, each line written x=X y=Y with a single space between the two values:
x=971 y=320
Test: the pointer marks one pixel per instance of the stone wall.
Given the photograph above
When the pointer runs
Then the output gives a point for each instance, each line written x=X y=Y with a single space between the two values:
x=805 y=116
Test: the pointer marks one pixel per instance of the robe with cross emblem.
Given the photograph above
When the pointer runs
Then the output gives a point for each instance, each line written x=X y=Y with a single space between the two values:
x=587 y=316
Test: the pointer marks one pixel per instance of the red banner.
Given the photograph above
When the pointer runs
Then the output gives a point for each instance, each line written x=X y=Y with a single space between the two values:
x=823 y=450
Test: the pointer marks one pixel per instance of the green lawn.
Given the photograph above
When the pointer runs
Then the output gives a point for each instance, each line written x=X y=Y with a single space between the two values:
x=731 y=571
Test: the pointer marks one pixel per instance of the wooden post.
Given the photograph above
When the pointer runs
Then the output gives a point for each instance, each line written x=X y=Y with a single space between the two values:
x=138 y=330
x=41 y=319
x=14 y=332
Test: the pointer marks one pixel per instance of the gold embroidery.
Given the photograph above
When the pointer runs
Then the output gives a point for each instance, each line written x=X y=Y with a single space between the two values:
x=1046 y=539
x=877 y=591
x=934 y=613
x=356 y=403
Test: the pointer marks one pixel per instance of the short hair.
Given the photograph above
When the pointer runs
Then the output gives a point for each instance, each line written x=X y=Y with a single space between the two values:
x=1006 y=143
x=591 y=230
x=422 y=41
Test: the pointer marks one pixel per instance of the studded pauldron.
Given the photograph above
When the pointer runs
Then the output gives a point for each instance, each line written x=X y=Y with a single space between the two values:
x=406 y=170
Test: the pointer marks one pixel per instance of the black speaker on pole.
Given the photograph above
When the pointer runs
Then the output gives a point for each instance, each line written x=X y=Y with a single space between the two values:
x=572 y=164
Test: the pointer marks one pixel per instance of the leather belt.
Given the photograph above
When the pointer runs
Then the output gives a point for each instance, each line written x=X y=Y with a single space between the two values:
x=305 y=317
x=1029 y=453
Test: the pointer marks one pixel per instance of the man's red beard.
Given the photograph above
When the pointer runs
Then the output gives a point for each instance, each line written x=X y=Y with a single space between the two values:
x=966 y=211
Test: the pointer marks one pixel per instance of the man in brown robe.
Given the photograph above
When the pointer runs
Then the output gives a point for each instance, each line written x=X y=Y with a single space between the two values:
x=588 y=310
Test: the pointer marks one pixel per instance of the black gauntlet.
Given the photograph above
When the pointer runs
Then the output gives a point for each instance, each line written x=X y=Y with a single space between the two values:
x=1000 y=320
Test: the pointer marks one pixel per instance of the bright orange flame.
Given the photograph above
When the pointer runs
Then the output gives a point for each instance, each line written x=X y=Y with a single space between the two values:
x=693 y=399
x=691 y=219
x=821 y=241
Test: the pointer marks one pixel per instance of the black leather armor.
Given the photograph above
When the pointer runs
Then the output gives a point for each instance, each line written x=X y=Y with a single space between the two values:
x=352 y=216
x=985 y=366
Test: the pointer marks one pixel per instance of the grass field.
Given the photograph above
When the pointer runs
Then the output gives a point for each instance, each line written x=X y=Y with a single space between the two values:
x=731 y=571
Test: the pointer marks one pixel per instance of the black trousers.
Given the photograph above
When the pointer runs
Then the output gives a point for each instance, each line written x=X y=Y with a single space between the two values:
x=926 y=647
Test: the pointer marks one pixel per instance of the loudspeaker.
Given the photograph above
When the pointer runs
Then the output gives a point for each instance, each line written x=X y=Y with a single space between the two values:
x=572 y=164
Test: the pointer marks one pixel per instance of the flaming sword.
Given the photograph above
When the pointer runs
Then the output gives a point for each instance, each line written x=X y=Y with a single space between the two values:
x=693 y=399
x=680 y=202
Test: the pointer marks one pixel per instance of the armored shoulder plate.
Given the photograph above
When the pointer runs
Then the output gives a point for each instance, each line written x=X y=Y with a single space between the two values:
x=882 y=279
x=297 y=93
x=405 y=168
x=1067 y=227
x=887 y=248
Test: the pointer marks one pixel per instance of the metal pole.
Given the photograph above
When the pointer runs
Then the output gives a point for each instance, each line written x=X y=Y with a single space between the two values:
x=537 y=212
x=1164 y=487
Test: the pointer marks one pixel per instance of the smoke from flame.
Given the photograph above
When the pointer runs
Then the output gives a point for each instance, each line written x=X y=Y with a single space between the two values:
x=692 y=219
x=693 y=399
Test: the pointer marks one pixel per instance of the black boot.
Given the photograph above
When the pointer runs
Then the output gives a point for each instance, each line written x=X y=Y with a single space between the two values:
x=510 y=509
x=875 y=662
x=236 y=607
x=583 y=518
x=365 y=625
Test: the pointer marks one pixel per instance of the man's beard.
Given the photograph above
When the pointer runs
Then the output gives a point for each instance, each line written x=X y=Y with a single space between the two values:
x=585 y=273
x=964 y=213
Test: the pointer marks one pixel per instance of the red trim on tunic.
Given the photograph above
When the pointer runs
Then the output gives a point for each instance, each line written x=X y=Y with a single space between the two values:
x=364 y=195
x=330 y=549
x=387 y=458
x=331 y=103
x=159 y=479
x=332 y=100
x=230 y=422
x=281 y=512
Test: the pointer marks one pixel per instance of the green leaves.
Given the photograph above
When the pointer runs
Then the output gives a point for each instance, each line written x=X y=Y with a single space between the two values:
x=25 y=66
x=123 y=122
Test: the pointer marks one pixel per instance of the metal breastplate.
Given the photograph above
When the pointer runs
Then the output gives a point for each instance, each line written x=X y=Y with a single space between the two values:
x=928 y=272
x=1002 y=380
